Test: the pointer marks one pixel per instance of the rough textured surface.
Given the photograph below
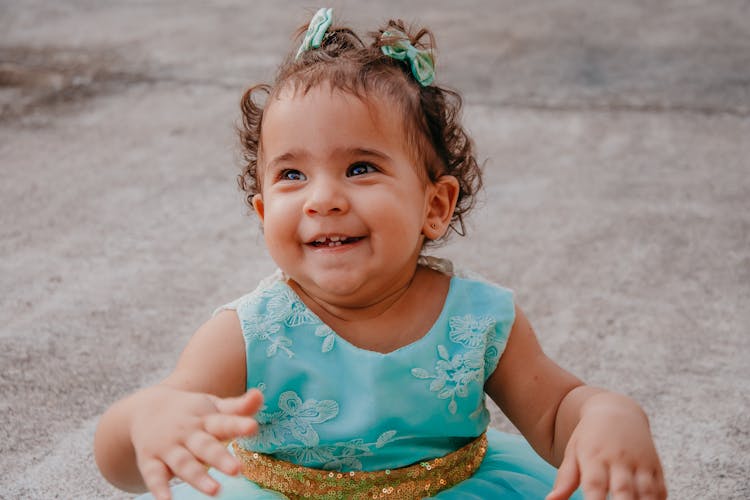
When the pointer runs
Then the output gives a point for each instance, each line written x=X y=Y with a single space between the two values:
x=616 y=204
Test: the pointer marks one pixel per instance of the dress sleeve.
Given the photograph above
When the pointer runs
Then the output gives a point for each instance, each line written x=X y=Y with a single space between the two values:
x=500 y=302
x=495 y=305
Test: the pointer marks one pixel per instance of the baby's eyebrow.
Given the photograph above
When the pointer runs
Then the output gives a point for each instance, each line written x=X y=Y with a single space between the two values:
x=356 y=152
x=365 y=152
x=285 y=157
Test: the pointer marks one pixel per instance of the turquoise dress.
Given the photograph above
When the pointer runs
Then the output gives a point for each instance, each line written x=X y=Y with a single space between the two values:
x=331 y=405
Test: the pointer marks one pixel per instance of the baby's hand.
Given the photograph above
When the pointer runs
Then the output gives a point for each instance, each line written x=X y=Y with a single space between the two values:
x=181 y=433
x=610 y=450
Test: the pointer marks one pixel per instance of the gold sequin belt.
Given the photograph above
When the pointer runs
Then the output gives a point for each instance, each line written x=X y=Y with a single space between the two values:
x=414 y=481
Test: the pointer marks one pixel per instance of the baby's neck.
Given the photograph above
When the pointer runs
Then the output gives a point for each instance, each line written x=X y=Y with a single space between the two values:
x=396 y=319
x=343 y=312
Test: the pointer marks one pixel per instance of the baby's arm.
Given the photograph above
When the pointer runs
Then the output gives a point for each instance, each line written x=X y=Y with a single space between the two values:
x=598 y=439
x=176 y=426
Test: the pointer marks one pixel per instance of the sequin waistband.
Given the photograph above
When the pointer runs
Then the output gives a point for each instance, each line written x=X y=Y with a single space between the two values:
x=411 y=482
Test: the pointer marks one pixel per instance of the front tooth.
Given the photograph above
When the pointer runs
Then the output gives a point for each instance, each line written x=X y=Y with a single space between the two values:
x=320 y=240
x=335 y=238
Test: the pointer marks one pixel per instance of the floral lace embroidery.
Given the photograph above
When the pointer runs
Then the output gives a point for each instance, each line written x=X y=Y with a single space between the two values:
x=283 y=308
x=293 y=422
x=492 y=353
x=338 y=456
x=263 y=329
x=289 y=434
x=470 y=331
x=453 y=374
x=329 y=337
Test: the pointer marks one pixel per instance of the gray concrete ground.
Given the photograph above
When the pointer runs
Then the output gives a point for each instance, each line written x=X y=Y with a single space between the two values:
x=618 y=187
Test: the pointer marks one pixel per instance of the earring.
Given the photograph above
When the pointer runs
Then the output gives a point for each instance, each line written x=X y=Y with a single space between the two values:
x=433 y=225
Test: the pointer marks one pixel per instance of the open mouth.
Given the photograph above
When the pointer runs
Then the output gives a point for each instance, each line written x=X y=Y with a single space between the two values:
x=334 y=241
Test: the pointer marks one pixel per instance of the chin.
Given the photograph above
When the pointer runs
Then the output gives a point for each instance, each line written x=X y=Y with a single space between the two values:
x=338 y=285
x=337 y=289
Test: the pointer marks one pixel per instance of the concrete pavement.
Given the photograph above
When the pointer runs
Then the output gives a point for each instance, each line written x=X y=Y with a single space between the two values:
x=616 y=204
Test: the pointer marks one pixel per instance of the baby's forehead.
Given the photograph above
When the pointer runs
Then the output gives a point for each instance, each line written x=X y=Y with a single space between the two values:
x=335 y=109
x=377 y=119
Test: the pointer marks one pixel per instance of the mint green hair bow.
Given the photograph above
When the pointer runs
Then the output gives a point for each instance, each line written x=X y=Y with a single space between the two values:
x=420 y=60
x=316 y=30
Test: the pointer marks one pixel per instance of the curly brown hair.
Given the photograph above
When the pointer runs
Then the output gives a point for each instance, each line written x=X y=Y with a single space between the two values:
x=431 y=113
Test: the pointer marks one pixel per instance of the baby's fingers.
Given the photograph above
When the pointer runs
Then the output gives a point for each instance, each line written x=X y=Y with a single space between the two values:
x=566 y=481
x=185 y=466
x=156 y=477
x=209 y=451
x=247 y=404
x=650 y=485
x=622 y=483
x=224 y=427
x=594 y=481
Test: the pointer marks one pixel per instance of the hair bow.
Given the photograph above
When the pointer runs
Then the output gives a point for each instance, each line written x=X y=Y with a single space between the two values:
x=420 y=60
x=316 y=30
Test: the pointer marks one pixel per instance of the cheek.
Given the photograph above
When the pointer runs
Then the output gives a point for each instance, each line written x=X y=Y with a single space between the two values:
x=401 y=219
x=282 y=247
x=278 y=226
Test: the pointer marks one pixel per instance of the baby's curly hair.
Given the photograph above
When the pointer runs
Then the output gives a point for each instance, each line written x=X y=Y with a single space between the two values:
x=343 y=61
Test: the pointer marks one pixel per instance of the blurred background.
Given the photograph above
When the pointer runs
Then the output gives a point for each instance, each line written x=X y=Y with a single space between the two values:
x=616 y=141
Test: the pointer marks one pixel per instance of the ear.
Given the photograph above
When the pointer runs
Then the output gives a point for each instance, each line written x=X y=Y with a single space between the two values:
x=258 y=206
x=441 y=203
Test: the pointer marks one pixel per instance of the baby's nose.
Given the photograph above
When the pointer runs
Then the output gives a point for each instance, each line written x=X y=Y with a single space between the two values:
x=326 y=198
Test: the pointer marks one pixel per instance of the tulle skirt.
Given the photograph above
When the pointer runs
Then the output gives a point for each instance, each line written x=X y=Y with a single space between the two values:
x=511 y=470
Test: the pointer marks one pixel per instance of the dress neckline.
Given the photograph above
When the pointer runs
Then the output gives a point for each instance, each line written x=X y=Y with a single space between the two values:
x=413 y=344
